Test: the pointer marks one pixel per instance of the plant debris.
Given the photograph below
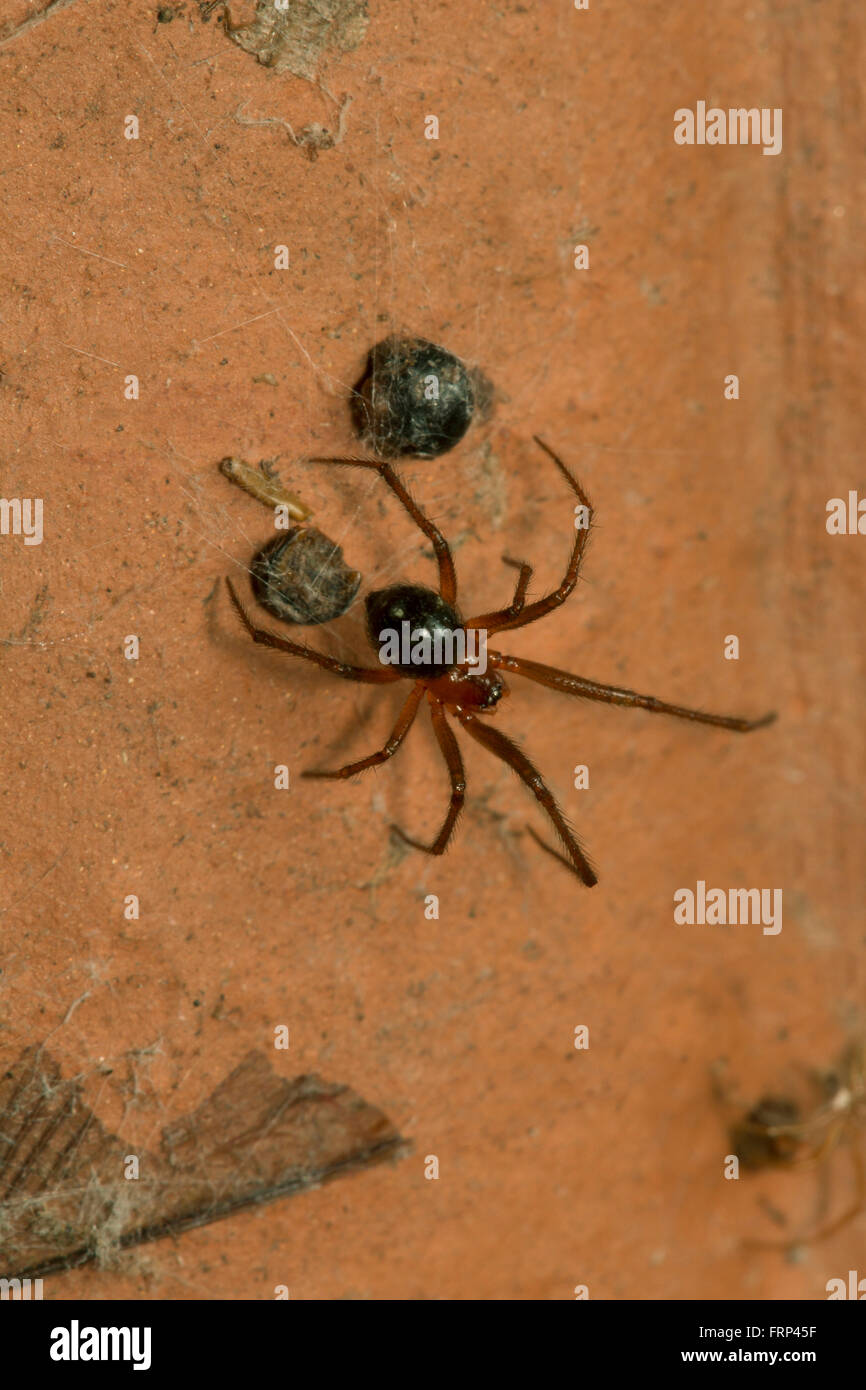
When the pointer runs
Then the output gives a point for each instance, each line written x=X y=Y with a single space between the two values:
x=67 y=1195
x=296 y=39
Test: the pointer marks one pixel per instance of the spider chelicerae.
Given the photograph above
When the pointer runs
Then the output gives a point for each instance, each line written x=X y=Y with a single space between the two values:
x=460 y=688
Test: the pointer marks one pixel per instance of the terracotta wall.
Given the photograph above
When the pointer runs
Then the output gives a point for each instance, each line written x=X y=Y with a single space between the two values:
x=154 y=257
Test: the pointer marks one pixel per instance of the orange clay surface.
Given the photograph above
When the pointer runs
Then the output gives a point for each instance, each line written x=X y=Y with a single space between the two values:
x=154 y=257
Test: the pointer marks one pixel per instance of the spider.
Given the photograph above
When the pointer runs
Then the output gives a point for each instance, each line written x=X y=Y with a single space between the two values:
x=775 y=1134
x=458 y=690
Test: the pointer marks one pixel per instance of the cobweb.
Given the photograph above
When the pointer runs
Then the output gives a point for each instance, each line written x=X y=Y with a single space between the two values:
x=65 y=1198
x=72 y=1188
x=401 y=301
x=72 y=1191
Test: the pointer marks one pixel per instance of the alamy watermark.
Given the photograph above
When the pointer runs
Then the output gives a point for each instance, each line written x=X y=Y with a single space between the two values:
x=447 y=647
x=846 y=519
x=20 y=1290
x=729 y=907
x=738 y=125
x=22 y=516
x=77 y=1343
x=854 y=1287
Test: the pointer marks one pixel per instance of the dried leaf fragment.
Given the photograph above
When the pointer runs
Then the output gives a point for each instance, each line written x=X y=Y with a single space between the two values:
x=65 y=1196
x=296 y=39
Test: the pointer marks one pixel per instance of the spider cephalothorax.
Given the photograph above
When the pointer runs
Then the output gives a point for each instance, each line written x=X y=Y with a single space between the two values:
x=465 y=688
x=419 y=635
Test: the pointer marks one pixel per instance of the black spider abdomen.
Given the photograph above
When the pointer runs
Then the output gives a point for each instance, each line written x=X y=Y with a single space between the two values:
x=415 y=630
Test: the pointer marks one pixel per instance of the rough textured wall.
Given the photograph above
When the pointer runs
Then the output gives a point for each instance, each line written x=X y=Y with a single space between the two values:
x=154 y=257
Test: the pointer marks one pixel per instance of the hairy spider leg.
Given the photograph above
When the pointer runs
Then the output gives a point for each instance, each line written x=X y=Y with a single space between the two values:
x=368 y=674
x=568 y=684
x=447 y=572
x=401 y=728
x=507 y=621
x=454 y=762
x=491 y=621
x=502 y=747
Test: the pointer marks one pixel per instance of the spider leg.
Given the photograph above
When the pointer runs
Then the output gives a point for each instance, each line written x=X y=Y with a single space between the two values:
x=447 y=573
x=804 y=1130
x=370 y=675
x=493 y=619
x=451 y=754
x=502 y=747
x=568 y=684
x=859 y=1200
x=824 y=1231
x=400 y=730
x=541 y=606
